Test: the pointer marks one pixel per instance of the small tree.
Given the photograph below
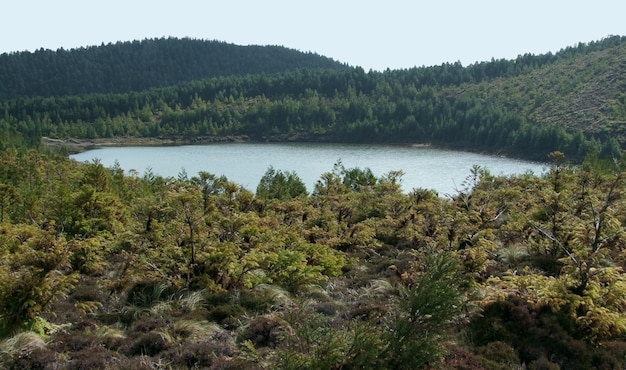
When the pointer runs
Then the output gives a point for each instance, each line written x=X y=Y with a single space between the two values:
x=417 y=332
x=280 y=185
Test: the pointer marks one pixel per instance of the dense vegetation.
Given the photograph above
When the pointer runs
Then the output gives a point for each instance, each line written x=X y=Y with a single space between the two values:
x=139 y=65
x=572 y=101
x=103 y=269
x=100 y=268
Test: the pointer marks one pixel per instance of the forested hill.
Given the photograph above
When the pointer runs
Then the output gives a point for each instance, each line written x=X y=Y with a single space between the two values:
x=139 y=65
x=572 y=101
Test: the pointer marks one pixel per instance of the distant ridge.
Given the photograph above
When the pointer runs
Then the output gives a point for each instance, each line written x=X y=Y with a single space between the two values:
x=140 y=65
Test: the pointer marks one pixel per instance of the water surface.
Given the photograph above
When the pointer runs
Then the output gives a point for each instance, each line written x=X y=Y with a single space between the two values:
x=245 y=163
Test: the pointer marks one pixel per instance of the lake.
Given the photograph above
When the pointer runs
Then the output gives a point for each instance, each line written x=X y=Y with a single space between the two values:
x=245 y=163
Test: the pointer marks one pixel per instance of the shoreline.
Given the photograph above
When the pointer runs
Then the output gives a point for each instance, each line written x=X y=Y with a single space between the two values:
x=75 y=146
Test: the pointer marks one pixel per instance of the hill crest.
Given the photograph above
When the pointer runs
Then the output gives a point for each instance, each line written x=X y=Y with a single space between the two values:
x=140 y=65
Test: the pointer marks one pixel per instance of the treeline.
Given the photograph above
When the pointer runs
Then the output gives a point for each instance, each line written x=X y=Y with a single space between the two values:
x=570 y=101
x=140 y=65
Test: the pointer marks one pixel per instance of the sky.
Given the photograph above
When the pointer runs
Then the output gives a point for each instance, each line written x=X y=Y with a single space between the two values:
x=375 y=35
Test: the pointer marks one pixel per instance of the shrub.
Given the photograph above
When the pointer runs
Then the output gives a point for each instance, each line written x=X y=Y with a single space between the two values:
x=25 y=351
x=147 y=325
x=226 y=314
x=93 y=358
x=538 y=334
x=87 y=293
x=416 y=336
x=71 y=342
x=148 y=344
x=111 y=338
x=39 y=358
x=326 y=308
x=200 y=355
x=543 y=363
x=501 y=353
x=315 y=342
x=33 y=275
x=265 y=331
x=459 y=358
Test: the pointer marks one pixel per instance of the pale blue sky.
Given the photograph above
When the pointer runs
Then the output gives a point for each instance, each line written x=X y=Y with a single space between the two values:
x=372 y=34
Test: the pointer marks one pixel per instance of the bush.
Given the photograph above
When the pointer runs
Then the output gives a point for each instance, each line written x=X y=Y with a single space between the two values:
x=200 y=355
x=39 y=358
x=25 y=351
x=265 y=331
x=226 y=314
x=501 y=353
x=409 y=337
x=71 y=342
x=543 y=363
x=148 y=344
x=537 y=334
x=459 y=358
x=88 y=293
x=92 y=358
x=416 y=336
x=147 y=325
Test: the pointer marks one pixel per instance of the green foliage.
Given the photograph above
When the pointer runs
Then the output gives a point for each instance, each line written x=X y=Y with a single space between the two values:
x=125 y=67
x=411 y=337
x=89 y=255
x=299 y=264
x=582 y=232
x=315 y=344
x=8 y=195
x=34 y=273
x=356 y=178
x=417 y=333
x=280 y=185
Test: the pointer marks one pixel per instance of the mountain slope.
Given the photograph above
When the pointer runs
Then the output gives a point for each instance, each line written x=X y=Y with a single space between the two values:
x=140 y=65
x=584 y=91
x=573 y=101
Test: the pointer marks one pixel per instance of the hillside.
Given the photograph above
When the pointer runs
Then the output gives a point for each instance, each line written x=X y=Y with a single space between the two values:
x=583 y=91
x=572 y=101
x=103 y=270
x=140 y=65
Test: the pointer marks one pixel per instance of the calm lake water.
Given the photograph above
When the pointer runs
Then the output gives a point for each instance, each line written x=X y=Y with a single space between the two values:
x=245 y=163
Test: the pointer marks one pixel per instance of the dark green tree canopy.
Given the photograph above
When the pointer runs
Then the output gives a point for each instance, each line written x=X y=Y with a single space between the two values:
x=276 y=184
x=140 y=65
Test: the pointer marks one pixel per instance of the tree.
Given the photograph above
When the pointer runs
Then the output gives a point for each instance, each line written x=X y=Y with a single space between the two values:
x=417 y=332
x=280 y=185
x=356 y=178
